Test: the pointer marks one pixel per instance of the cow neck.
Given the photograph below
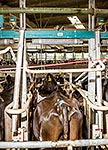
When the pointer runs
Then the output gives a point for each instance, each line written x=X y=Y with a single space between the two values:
x=7 y=90
x=41 y=98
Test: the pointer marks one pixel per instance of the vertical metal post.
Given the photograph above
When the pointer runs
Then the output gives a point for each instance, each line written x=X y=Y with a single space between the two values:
x=106 y=117
x=91 y=18
x=19 y=73
x=41 y=53
x=99 y=80
x=17 y=81
x=45 y=57
x=69 y=147
x=91 y=82
x=70 y=80
x=91 y=75
x=55 y=58
x=22 y=15
x=24 y=124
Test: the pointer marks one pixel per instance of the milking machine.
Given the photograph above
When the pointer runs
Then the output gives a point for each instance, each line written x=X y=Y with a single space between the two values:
x=97 y=133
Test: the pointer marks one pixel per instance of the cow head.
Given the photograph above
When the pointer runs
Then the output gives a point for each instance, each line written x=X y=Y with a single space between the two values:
x=8 y=82
x=49 y=85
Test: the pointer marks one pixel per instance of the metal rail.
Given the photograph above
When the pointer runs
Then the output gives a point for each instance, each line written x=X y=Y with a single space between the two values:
x=11 y=51
x=54 y=10
x=52 y=34
x=50 y=144
x=63 y=70
x=17 y=80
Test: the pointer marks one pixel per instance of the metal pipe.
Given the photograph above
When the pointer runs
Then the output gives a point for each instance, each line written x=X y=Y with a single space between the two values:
x=17 y=80
x=54 y=10
x=91 y=18
x=80 y=76
x=70 y=80
x=12 y=111
x=22 y=15
x=15 y=111
x=50 y=144
x=91 y=105
x=64 y=70
x=24 y=123
x=57 y=41
x=99 y=80
x=91 y=78
x=11 y=51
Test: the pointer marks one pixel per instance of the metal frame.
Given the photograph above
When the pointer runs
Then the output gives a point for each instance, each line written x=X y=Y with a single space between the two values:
x=17 y=80
x=91 y=75
x=50 y=144
x=54 y=10
x=39 y=34
x=52 y=34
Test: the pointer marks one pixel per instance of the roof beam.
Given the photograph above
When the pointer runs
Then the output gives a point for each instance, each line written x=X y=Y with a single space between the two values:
x=30 y=23
x=54 y=10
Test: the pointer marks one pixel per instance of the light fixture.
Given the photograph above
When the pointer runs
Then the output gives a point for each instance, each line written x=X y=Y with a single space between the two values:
x=76 y=22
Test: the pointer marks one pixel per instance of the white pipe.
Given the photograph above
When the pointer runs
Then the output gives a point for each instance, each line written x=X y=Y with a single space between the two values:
x=80 y=76
x=70 y=80
x=84 y=78
x=99 y=79
x=92 y=105
x=50 y=144
x=105 y=103
x=91 y=75
x=64 y=70
x=17 y=80
x=24 y=123
x=106 y=117
x=102 y=67
x=15 y=111
x=84 y=95
x=9 y=109
x=11 y=51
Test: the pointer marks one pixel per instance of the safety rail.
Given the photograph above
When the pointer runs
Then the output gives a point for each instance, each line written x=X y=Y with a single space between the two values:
x=58 y=144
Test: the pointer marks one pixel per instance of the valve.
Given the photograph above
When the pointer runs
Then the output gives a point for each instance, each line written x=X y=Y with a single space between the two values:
x=96 y=132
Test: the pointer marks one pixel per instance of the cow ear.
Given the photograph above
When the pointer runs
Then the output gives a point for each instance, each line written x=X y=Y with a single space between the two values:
x=49 y=78
x=8 y=78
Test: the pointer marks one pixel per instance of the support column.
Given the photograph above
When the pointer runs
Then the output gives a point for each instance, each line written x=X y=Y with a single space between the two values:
x=91 y=75
x=17 y=82
x=99 y=80
x=24 y=122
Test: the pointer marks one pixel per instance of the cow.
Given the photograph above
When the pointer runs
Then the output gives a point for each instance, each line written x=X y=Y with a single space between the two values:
x=1 y=120
x=56 y=117
x=6 y=96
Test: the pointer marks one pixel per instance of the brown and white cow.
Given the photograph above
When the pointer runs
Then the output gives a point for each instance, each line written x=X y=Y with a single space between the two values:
x=56 y=117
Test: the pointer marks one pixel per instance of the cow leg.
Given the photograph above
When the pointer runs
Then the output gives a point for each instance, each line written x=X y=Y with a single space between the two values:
x=75 y=128
x=51 y=129
x=80 y=129
x=36 y=126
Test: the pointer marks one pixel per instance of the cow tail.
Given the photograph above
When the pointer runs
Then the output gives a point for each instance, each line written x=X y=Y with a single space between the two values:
x=65 y=122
